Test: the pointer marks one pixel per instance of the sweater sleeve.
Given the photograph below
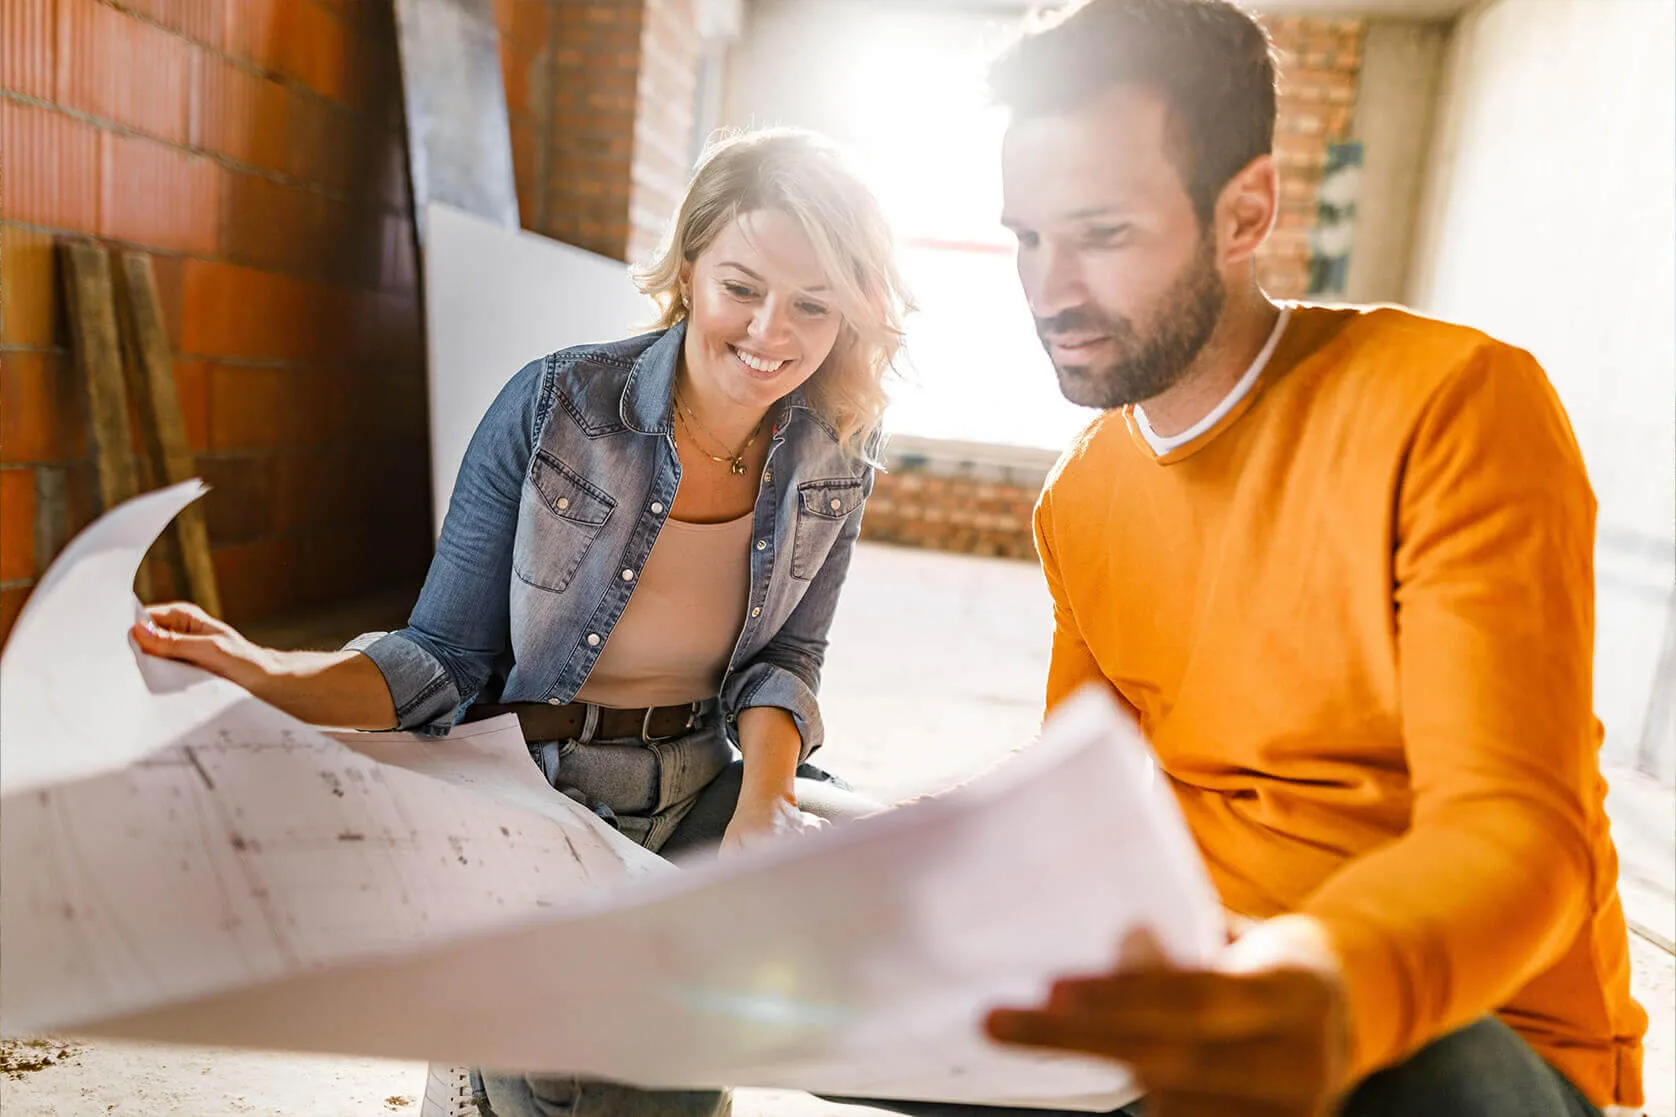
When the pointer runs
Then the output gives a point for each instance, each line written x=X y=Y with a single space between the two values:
x=1494 y=606
x=1071 y=665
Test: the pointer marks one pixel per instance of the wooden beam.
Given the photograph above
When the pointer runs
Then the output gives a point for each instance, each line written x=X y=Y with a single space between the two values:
x=98 y=352
x=161 y=424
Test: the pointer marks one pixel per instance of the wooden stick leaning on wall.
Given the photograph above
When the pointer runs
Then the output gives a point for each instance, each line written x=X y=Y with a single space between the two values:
x=98 y=354
x=161 y=425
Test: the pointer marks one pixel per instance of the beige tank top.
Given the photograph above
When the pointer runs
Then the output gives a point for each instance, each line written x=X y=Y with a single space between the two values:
x=672 y=643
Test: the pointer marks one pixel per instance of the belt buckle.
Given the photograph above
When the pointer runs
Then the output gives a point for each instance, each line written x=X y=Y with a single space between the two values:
x=646 y=737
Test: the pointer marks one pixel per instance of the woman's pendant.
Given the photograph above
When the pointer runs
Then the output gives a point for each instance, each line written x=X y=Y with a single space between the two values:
x=738 y=467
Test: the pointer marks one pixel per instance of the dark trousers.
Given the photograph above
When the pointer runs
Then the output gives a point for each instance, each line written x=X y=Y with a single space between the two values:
x=1483 y=1070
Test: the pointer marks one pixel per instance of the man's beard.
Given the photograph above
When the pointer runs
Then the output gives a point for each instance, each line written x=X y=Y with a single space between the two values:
x=1145 y=366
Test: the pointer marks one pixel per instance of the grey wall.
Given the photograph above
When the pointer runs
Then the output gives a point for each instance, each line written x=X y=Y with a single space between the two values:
x=1549 y=219
x=1395 y=105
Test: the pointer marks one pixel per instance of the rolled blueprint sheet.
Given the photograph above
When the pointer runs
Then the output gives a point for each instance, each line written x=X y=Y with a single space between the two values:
x=213 y=871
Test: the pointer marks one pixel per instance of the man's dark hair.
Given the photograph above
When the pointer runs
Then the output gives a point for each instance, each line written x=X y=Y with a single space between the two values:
x=1210 y=62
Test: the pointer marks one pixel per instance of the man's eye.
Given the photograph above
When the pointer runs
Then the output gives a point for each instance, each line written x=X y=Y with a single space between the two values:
x=1106 y=236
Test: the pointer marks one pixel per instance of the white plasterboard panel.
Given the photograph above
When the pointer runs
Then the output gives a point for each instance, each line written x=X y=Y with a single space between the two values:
x=496 y=299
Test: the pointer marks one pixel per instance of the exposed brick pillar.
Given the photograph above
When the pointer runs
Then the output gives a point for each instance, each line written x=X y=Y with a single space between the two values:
x=1320 y=61
x=589 y=137
x=603 y=100
x=665 y=107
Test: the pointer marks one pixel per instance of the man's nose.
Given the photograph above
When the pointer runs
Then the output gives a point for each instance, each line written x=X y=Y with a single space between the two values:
x=1053 y=282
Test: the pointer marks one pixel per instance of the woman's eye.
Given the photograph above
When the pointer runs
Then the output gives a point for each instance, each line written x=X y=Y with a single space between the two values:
x=738 y=291
x=813 y=310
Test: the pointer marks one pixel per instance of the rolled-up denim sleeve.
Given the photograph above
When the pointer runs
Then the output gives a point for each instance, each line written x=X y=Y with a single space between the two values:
x=461 y=623
x=787 y=671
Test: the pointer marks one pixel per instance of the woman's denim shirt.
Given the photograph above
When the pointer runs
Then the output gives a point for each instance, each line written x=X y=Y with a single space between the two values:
x=563 y=490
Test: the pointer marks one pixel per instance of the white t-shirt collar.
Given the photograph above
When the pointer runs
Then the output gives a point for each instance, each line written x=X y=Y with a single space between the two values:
x=1162 y=444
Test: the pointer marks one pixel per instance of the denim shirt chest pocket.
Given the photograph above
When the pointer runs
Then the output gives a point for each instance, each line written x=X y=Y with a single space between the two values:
x=822 y=508
x=560 y=515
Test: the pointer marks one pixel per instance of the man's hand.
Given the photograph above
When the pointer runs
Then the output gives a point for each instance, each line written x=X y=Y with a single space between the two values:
x=1264 y=1033
x=759 y=820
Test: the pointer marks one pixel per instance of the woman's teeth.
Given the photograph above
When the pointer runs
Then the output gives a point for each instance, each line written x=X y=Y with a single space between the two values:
x=751 y=360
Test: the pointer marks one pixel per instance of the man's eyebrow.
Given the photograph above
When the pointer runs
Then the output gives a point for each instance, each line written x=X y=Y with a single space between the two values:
x=1084 y=214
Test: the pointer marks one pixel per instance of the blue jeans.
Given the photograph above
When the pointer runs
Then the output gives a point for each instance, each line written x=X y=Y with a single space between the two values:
x=1483 y=1070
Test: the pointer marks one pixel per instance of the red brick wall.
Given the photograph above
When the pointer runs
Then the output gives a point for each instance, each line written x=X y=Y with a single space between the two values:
x=945 y=512
x=254 y=147
x=666 y=98
x=1320 y=60
x=600 y=95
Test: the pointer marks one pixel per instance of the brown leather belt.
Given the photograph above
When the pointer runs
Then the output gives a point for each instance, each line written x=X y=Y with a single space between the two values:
x=543 y=722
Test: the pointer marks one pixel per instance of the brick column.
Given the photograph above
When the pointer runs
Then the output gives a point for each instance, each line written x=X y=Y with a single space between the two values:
x=603 y=101
x=1320 y=61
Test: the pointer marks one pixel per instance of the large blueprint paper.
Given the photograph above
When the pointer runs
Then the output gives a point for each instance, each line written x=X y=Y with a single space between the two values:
x=76 y=700
x=255 y=881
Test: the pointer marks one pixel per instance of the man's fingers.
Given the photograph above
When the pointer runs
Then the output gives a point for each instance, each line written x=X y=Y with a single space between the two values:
x=1141 y=950
x=1180 y=1005
x=1270 y=1070
x=1219 y=1105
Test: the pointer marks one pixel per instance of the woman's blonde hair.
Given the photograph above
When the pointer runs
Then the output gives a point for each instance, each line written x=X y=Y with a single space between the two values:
x=803 y=176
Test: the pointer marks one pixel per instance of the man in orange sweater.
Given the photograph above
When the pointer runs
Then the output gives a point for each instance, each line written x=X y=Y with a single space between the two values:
x=1338 y=562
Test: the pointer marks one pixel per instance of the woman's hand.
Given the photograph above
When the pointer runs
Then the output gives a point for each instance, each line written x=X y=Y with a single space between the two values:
x=768 y=797
x=185 y=632
x=759 y=820
x=344 y=689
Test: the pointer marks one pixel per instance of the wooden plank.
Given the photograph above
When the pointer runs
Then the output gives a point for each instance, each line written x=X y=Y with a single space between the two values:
x=161 y=424
x=90 y=303
x=93 y=337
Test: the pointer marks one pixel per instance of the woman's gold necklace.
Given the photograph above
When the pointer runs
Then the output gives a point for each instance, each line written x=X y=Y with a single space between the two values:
x=734 y=462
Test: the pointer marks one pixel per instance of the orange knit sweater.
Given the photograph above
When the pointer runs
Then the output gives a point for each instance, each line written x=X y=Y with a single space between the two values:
x=1356 y=619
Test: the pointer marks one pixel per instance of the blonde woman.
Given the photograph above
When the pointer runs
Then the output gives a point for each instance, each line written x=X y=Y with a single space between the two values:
x=647 y=540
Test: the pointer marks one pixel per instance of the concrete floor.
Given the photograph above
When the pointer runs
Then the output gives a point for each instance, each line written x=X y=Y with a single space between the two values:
x=935 y=673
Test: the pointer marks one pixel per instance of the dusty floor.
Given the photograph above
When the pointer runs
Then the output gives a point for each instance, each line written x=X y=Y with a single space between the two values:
x=934 y=673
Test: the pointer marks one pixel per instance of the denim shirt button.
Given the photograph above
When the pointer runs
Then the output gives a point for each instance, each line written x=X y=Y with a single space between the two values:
x=563 y=502
x=628 y=575
x=554 y=702
x=657 y=508
x=756 y=612
x=767 y=475
x=762 y=544
x=593 y=639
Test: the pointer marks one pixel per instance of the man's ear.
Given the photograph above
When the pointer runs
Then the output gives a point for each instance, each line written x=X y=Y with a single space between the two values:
x=1246 y=211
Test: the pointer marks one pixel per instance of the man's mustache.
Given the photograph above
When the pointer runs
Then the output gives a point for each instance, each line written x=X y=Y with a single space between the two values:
x=1078 y=320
